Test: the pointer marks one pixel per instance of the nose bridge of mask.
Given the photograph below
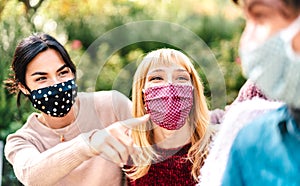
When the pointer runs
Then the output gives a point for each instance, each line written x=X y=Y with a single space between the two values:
x=53 y=89
x=168 y=90
x=172 y=96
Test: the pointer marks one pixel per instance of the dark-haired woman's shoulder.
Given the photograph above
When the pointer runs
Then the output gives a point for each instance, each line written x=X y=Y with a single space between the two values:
x=110 y=105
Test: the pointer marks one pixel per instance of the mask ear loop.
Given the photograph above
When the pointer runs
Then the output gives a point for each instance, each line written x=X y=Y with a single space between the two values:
x=27 y=89
x=143 y=92
x=21 y=92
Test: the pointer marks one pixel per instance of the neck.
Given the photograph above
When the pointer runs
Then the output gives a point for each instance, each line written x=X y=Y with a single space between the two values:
x=295 y=112
x=172 y=138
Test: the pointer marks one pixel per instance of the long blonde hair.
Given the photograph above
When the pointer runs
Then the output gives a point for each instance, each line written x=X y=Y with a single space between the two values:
x=198 y=117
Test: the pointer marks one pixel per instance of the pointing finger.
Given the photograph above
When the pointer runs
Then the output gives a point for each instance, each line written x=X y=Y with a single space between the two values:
x=133 y=122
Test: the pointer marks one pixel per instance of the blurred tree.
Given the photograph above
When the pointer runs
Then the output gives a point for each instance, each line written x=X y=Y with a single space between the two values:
x=31 y=5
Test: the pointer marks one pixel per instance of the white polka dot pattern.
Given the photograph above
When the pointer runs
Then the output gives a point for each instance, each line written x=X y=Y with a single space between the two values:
x=55 y=100
x=169 y=105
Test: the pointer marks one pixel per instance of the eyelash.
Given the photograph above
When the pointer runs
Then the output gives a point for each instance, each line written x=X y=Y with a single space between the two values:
x=183 y=77
x=259 y=16
x=155 y=78
x=64 y=72
x=40 y=79
x=160 y=78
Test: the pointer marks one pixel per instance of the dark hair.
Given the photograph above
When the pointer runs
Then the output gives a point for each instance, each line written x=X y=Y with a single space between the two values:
x=25 y=51
x=294 y=4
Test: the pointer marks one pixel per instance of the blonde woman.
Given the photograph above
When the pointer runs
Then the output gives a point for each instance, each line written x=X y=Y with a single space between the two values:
x=174 y=143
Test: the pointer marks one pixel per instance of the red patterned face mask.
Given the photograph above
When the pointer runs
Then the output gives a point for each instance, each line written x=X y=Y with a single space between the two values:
x=169 y=105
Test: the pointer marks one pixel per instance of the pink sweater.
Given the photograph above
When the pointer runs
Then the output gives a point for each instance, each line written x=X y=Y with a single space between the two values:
x=39 y=158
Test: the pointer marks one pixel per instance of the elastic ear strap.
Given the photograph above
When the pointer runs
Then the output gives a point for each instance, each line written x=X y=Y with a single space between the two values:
x=27 y=89
x=25 y=86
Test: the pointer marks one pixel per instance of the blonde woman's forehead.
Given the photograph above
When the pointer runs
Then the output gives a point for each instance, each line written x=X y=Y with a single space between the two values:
x=167 y=62
x=163 y=67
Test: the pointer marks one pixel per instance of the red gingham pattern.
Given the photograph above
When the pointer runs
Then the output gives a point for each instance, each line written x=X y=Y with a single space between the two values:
x=169 y=105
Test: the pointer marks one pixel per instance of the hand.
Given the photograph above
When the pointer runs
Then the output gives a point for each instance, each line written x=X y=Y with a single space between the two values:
x=114 y=143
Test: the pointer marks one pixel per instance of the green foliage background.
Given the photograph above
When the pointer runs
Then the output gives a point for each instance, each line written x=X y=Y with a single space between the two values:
x=72 y=22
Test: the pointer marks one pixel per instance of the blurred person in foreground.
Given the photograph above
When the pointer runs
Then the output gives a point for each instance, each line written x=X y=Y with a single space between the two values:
x=266 y=151
x=249 y=104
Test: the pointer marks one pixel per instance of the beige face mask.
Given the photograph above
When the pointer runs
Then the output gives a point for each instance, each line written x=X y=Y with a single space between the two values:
x=275 y=67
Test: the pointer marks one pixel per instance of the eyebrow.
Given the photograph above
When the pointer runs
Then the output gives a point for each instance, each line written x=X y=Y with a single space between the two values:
x=275 y=5
x=259 y=3
x=156 y=70
x=44 y=73
x=181 y=70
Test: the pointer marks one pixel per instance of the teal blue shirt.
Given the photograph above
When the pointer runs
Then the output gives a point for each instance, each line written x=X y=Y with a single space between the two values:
x=266 y=152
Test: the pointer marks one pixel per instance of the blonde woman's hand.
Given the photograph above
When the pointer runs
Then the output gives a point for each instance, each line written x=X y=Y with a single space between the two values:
x=114 y=142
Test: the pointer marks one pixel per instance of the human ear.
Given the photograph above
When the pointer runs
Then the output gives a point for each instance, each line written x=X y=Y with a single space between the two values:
x=23 y=89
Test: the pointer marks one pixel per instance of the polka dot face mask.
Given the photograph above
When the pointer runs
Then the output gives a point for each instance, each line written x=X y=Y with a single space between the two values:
x=169 y=105
x=55 y=100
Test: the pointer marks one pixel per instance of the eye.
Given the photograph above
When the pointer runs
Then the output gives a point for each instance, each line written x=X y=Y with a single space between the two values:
x=64 y=72
x=40 y=79
x=183 y=77
x=259 y=17
x=261 y=13
x=155 y=78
